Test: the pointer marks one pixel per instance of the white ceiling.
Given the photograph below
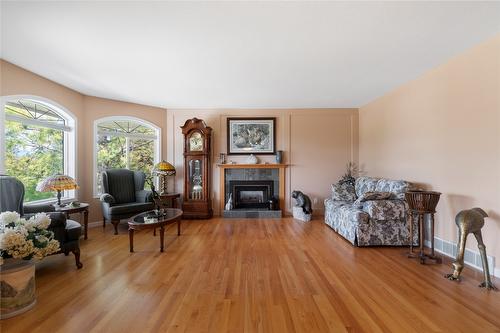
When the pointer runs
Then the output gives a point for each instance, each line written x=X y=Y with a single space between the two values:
x=240 y=54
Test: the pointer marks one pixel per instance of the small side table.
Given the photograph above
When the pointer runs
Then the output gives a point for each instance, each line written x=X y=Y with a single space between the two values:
x=83 y=209
x=422 y=203
x=167 y=198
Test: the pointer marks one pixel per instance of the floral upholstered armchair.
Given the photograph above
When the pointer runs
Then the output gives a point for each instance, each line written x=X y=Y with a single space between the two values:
x=371 y=212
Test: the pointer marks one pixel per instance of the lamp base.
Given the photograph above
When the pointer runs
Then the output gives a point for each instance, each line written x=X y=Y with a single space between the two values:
x=59 y=204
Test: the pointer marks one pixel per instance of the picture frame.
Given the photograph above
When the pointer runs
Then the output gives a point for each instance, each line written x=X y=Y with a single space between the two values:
x=256 y=135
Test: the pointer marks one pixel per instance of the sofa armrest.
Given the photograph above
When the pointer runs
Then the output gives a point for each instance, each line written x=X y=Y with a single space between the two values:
x=38 y=208
x=390 y=209
x=57 y=220
x=144 y=196
x=108 y=198
x=343 y=192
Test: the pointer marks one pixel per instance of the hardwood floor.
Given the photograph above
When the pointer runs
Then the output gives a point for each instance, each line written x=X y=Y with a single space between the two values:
x=225 y=275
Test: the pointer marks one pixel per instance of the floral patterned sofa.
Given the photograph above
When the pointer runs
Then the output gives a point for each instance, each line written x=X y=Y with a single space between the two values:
x=371 y=212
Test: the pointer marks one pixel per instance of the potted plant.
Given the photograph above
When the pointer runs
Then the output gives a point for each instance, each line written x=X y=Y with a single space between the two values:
x=22 y=240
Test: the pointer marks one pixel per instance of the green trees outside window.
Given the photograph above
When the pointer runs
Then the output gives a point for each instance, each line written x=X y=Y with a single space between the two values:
x=125 y=144
x=34 y=145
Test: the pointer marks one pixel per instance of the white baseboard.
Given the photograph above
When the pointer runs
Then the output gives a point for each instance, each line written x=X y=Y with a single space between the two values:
x=472 y=258
x=94 y=224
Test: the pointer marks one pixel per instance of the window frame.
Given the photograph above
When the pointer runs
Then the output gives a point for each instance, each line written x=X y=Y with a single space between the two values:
x=157 y=139
x=70 y=147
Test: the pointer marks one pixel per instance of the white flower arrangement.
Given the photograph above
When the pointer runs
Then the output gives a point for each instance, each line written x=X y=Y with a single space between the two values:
x=22 y=238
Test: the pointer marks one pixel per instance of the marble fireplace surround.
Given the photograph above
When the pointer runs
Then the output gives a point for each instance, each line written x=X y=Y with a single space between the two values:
x=252 y=172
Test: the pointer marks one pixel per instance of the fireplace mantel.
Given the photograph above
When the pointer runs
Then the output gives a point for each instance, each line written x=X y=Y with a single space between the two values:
x=252 y=166
x=222 y=180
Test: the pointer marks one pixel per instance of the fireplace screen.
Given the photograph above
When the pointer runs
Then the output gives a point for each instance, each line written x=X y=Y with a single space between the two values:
x=251 y=193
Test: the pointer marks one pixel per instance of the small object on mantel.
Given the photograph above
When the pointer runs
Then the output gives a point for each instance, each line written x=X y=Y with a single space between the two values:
x=279 y=156
x=252 y=159
x=222 y=158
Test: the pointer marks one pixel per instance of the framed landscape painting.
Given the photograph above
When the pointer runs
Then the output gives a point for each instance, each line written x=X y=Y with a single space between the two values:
x=251 y=136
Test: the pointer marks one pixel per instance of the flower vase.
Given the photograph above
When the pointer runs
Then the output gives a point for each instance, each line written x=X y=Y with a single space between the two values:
x=279 y=156
x=17 y=282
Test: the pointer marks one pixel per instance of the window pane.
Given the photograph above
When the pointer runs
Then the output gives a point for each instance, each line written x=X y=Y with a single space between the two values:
x=29 y=109
x=125 y=127
x=141 y=157
x=32 y=154
x=111 y=153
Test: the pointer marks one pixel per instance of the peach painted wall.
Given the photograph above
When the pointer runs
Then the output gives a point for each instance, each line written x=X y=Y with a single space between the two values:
x=317 y=143
x=86 y=109
x=443 y=130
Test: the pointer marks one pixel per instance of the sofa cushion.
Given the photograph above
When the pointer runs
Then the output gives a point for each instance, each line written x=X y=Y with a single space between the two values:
x=398 y=187
x=384 y=210
x=130 y=208
x=373 y=196
x=365 y=184
x=343 y=192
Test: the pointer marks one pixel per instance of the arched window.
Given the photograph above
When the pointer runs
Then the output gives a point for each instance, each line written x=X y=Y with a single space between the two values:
x=125 y=142
x=37 y=140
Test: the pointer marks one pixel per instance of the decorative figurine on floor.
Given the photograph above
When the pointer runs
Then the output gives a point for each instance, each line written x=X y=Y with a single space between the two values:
x=471 y=221
x=303 y=208
x=229 y=204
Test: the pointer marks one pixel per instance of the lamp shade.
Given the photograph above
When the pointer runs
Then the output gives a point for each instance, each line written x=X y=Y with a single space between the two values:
x=164 y=168
x=57 y=183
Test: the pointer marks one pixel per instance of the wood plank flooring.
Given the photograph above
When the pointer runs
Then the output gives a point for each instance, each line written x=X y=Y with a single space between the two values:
x=225 y=275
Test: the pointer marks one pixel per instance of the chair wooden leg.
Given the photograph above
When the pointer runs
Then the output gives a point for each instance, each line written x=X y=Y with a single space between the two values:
x=115 y=224
x=103 y=222
x=77 y=258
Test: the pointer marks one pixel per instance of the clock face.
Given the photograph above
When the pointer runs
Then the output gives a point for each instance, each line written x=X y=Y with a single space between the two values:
x=196 y=142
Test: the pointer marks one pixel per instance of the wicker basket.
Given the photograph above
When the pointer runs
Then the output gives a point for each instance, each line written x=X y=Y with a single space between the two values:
x=422 y=201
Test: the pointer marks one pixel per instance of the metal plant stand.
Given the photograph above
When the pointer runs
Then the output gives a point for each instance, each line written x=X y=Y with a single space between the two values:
x=422 y=203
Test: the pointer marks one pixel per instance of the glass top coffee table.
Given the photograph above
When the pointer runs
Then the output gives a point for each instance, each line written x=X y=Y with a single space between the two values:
x=152 y=220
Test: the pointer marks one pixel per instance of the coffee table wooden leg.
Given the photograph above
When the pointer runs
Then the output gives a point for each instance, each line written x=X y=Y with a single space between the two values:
x=154 y=231
x=131 y=237
x=86 y=223
x=162 y=234
x=178 y=227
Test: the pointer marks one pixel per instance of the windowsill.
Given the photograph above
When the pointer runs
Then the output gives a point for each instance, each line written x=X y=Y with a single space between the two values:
x=48 y=201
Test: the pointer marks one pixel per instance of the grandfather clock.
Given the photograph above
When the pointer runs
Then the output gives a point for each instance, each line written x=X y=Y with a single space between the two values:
x=197 y=203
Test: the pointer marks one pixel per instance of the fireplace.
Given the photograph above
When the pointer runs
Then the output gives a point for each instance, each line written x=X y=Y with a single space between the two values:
x=253 y=194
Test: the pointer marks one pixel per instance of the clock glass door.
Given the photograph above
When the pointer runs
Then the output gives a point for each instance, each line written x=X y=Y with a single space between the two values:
x=195 y=179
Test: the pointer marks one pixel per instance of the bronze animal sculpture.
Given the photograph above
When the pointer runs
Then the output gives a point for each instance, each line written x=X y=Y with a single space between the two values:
x=303 y=201
x=471 y=221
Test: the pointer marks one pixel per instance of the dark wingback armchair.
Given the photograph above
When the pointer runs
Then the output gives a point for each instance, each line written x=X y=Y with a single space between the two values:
x=124 y=195
x=67 y=232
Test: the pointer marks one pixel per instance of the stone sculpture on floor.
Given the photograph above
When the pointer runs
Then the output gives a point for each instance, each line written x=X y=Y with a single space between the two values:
x=303 y=208
x=471 y=221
